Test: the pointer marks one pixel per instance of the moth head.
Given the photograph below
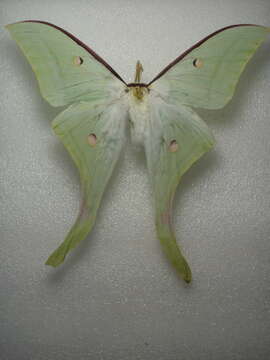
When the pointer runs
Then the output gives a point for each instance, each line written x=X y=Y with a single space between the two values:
x=138 y=92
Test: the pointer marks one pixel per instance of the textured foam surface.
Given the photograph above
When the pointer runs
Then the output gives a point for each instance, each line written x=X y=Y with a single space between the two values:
x=116 y=297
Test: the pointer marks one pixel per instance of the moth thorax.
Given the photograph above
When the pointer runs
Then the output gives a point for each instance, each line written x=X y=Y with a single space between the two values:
x=139 y=118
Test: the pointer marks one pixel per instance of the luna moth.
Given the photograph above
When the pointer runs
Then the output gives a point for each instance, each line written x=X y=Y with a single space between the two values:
x=160 y=114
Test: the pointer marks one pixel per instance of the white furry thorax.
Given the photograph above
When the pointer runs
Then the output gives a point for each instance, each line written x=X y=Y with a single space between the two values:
x=140 y=110
x=139 y=117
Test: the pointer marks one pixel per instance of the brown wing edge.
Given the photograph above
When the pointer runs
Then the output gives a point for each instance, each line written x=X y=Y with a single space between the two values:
x=80 y=43
x=180 y=57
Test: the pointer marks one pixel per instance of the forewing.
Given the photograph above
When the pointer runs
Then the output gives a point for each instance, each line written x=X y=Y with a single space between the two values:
x=176 y=138
x=66 y=69
x=94 y=136
x=206 y=75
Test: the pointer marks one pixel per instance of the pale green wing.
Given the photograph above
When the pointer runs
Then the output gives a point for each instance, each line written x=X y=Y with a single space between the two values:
x=176 y=138
x=66 y=69
x=94 y=136
x=206 y=75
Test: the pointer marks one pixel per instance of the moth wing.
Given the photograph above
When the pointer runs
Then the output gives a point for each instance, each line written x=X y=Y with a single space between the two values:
x=66 y=69
x=206 y=75
x=176 y=138
x=94 y=136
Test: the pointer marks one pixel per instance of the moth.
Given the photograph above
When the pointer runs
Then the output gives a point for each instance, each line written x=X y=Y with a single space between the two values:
x=160 y=114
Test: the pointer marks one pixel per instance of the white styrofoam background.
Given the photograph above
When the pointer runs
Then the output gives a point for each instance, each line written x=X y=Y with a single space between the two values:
x=116 y=296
